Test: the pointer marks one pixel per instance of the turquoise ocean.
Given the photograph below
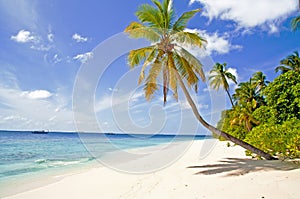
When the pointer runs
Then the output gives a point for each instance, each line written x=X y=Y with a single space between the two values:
x=23 y=153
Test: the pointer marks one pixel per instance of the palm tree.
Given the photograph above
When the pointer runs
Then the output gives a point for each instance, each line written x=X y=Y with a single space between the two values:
x=168 y=57
x=296 y=23
x=259 y=81
x=244 y=116
x=247 y=92
x=291 y=62
x=219 y=76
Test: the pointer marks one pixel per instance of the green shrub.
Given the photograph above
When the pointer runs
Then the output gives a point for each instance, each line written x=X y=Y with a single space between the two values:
x=282 y=140
x=235 y=129
x=283 y=96
x=265 y=114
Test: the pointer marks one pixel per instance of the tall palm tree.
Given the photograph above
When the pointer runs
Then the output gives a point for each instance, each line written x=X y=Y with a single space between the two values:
x=219 y=76
x=244 y=116
x=168 y=57
x=259 y=80
x=246 y=93
x=291 y=62
x=296 y=23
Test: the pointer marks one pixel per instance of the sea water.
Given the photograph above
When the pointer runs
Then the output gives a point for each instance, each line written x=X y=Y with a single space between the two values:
x=25 y=154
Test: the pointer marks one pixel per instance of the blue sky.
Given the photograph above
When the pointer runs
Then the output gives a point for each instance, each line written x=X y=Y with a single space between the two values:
x=45 y=45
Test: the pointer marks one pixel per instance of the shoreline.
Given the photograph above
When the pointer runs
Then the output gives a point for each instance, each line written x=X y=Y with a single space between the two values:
x=29 y=182
x=224 y=172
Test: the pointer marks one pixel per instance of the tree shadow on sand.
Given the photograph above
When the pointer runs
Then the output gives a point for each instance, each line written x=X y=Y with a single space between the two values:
x=240 y=166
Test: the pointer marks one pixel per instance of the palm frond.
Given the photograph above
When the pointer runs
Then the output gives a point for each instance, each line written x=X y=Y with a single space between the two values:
x=150 y=15
x=225 y=82
x=291 y=62
x=230 y=76
x=166 y=4
x=215 y=81
x=172 y=75
x=188 y=38
x=137 y=56
x=186 y=70
x=158 y=5
x=138 y=30
x=193 y=62
x=148 y=61
x=151 y=81
x=167 y=11
x=181 y=23
x=283 y=69
x=296 y=23
x=181 y=65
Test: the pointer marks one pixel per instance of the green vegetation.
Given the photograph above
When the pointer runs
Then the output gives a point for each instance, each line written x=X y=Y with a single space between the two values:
x=282 y=140
x=267 y=115
x=292 y=62
x=168 y=58
x=296 y=23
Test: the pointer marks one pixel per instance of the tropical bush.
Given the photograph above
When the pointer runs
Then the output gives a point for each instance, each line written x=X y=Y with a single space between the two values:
x=267 y=115
x=235 y=129
x=282 y=140
x=283 y=96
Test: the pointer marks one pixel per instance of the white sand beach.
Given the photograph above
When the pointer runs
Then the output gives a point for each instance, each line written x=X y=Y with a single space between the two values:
x=224 y=173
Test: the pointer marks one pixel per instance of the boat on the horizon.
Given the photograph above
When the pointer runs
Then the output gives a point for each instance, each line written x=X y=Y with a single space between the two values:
x=40 y=132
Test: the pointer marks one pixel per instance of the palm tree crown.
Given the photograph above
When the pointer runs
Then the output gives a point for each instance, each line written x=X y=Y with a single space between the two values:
x=247 y=93
x=259 y=81
x=291 y=62
x=219 y=77
x=166 y=55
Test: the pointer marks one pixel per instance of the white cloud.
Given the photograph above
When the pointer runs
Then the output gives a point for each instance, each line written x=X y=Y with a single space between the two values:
x=56 y=59
x=186 y=106
x=8 y=79
x=37 y=94
x=234 y=72
x=35 y=41
x=24 y=36
x=249 y=13
x=137 y=96
x=113 y=89
x=108 y=102
x=41 y=47
x=273 y=28
x=83 y=58
x=216 y=43
x=78 y=38
x=104 y=103
x=29 y=110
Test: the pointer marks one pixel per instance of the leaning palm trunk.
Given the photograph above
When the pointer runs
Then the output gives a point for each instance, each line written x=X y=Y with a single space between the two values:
x=217 y=131
x=229 y=97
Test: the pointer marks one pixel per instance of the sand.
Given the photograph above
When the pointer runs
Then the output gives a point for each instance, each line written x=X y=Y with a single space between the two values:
x=225 y=172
